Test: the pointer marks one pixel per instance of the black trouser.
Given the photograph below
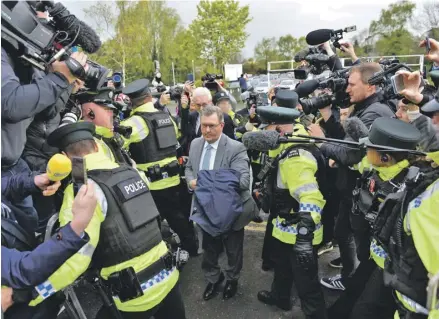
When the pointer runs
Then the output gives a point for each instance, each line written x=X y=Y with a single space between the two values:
x=328 y=216
x=345 y=238
x=233 y=243
x=342 y=308
x=169 y=206
x=171 y=307
x=269 y=242
x=376 y=301
x=287 y=271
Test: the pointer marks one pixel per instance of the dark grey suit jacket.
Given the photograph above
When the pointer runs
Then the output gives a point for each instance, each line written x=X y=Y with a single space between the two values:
x=230 y=154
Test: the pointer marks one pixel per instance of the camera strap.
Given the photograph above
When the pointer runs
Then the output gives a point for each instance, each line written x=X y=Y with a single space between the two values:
x=75 y=68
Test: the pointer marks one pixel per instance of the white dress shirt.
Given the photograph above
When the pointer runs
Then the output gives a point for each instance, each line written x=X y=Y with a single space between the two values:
x=212 y=153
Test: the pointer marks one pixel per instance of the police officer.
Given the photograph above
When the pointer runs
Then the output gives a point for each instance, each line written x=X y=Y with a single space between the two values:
x=383 y=172
x=98 y=108
x=153 y=145
x=296 y=201
x=126 y=247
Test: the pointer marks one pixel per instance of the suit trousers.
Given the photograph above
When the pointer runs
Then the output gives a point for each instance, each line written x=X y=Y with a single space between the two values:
x=170 y=208
x=233 y=243
x=286 y=271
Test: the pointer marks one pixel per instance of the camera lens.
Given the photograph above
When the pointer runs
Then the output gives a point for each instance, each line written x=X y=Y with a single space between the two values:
x=117 y=78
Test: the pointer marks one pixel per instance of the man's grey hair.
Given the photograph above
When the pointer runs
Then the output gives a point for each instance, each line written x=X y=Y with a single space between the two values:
x=202 y=91
x=210 y=110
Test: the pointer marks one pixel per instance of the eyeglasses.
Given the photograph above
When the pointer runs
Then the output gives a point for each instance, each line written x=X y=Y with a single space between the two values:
x=200 y=105
x=210 y=126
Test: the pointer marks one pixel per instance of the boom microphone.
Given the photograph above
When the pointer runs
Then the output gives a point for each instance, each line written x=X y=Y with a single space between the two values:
x=306 y=88
x=319 y=36
x=261 y=141
x=355 y=129
x=86 y=38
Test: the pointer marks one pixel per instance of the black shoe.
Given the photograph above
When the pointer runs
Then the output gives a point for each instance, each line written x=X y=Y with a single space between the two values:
x=230 y=289
x=336 y=263
x=267 y=298
x=212 y=289
x=258 y=219
x=267 y=266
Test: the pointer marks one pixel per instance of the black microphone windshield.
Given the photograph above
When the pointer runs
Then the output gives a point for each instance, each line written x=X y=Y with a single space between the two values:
x=318 y=36
x=88 y=39
x=261 y=141
x=306 y=88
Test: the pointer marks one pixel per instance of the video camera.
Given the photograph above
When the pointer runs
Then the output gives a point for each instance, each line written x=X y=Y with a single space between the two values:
x=336 y=83
x=254 y=98
x=175 y=92
x=209 y=81
x=317 y=60
x=39 y=43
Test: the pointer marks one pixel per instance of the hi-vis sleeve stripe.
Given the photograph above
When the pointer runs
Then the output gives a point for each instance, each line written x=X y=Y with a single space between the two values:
x=139 y=127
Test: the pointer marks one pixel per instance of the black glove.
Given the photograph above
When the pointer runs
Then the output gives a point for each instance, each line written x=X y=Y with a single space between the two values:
x=303 y=246
x=241 y=129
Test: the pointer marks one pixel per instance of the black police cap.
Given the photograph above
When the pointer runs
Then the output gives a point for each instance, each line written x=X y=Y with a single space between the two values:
x=286 y=98
x=103 y=96
x=220 y=96
x=393 y=133
x=432 y=106
x=71 y=133
x=276 y=115
x=137 y=89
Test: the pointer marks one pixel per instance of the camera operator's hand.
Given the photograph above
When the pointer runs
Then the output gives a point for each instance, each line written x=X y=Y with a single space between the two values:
x=184 y=101
x=252 y=111
x=328 y=49
x=110 y=84
x=220 y=87
x=62 y=67
x=7 y=300
x=165 y=98
x=349 y=49
x=83 y=208
x=411 y=91
x=77 y=85
x=42 y=182
x=189 y=87
x=433 y=55
x=326 y=112
x=316 y=130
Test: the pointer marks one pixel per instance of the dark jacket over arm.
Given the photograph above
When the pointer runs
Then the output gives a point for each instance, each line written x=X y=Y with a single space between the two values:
x=28 y=269
x=17 y=187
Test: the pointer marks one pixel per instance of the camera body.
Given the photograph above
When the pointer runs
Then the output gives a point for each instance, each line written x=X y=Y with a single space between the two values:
x=317 y=60
x=337 y=84
x=209 y=81
x=39 y=43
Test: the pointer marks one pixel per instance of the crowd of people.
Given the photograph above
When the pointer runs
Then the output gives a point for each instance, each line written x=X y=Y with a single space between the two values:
x=90 y=177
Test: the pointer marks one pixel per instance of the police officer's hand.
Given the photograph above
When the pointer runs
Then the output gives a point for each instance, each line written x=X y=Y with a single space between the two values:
x=165 y=99
x=184 y=101
x=6 y=298
x=62 y=67
x=411 y=91
x=316 y=130
x=42 y=182
x=433 y=157
x=433 y=55
x=83 y=208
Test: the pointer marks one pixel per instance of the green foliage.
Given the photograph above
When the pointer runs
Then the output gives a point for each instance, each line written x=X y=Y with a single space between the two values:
x=393 y=19
x=219 y=30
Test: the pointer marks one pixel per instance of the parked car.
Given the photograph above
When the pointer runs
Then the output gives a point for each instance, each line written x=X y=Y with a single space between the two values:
x=291 y=84
x=262 y=87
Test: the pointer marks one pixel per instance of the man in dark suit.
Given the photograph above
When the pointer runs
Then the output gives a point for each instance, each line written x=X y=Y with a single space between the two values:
x=190 y=121
x=216 y=151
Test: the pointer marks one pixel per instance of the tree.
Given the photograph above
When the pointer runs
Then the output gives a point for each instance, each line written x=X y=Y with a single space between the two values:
x=266 y=50
x=219 y=29
x=395 y=18
x=428 y=19
x=289 y=45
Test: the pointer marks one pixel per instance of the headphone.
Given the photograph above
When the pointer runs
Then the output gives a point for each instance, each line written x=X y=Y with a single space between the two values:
x=91 y=114
x=384 y=158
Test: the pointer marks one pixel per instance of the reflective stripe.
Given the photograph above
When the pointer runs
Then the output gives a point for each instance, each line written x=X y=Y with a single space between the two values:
x=312 y=208
x=140 y=126
x=161 y=276
x=45 y=290
x=87 y=250
x=291 y=229
x=305 y=188
x=416 y=203
x=100 y=196
x=413 y=305
x=378 y=250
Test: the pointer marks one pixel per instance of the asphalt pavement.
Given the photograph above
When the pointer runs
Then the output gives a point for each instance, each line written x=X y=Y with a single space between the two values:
x=245 y=304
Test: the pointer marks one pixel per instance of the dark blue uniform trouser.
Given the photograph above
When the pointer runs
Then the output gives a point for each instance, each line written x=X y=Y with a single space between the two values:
x=287 y=271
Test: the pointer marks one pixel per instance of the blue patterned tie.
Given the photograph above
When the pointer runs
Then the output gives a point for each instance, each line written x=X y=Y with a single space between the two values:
x=206 y=159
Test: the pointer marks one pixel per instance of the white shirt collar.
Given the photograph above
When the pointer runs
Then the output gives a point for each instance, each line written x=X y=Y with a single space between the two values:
x=214 y=145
